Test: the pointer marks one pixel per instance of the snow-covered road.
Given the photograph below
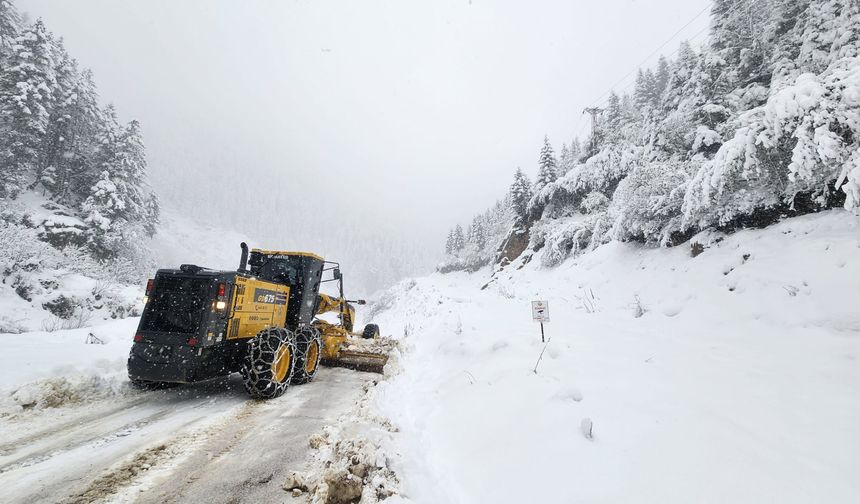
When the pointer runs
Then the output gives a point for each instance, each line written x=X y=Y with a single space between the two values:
x=206 y=442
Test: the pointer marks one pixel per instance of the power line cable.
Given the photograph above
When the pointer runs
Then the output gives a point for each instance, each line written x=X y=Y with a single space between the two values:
x=602 y=100
x=735 y=6
x=621 y=91
x=605 y=95
x=655 y=51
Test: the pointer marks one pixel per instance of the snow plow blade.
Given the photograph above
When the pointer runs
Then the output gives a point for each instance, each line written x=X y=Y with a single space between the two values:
x=359 y=361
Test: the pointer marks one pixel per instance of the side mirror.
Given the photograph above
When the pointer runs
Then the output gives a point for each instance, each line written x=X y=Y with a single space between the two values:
x=336 y=273
x=361 y=301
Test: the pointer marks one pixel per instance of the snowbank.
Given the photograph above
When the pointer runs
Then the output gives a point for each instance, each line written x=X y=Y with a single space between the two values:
x=728 y=374
x=51 y=369
x=351 y=460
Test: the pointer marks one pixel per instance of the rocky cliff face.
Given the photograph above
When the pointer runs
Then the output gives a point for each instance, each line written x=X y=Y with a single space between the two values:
x=513 y=245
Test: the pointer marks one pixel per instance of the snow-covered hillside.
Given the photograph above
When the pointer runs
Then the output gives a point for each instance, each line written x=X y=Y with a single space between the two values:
x=46 y=287
x=48 y=281
x=757 y=124
x=182 y=240
x=728 y=376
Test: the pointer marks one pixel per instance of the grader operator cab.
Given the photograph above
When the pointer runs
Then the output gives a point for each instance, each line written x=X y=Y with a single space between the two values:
x=260 y=320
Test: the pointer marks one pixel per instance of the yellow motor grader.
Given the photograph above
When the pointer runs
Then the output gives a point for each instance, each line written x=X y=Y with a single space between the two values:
x=262 y=320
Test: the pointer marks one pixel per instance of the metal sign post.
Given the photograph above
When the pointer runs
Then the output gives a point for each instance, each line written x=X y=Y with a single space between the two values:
x=540 y=313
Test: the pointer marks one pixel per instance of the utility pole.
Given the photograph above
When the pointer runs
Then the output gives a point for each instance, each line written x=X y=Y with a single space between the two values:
x=593 y=111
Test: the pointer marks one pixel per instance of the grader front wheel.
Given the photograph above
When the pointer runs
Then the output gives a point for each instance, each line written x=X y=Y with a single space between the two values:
x=269 y=363
x=370 y=331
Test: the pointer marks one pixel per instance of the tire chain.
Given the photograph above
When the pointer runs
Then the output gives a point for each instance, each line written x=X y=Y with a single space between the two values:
x=257 y=374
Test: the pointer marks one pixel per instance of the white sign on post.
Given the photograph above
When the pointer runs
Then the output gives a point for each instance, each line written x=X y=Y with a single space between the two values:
x=540 y=311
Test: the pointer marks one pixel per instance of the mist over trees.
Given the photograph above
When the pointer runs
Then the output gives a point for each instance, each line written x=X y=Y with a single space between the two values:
x=60 y=145
x=278 y=214
x=761 y=123
x=474 y=248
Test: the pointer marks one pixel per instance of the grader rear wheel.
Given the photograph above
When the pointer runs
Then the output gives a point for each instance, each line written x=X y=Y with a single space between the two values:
x=269 y=362
x=309 y=352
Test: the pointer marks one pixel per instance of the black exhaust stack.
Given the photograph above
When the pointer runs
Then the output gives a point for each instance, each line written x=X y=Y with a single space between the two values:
x=243 y=261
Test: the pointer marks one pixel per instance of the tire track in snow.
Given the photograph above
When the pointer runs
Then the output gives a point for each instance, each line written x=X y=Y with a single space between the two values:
x=59 y=444
x=120 y=476
x=60 y=465
x=91 y=441
x=74 y=423
x=250 y=458
x=205 y=443
x=218 y=441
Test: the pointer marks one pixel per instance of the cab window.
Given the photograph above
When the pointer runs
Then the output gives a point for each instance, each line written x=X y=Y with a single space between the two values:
x=281 y=270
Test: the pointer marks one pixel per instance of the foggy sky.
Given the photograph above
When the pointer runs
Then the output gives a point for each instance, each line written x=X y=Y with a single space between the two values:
x=407 y=114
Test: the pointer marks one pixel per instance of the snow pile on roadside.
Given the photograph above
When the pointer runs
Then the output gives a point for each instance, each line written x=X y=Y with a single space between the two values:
x=352 y=460
x=382 y=345
x=62 y=391
x=52 y=369
x=724 y=372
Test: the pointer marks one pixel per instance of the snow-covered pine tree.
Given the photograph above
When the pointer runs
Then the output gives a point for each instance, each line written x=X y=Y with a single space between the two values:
x=152 y=206
x=104 y=210
x=26 y=95
x=479 y=233
x=10 y=28
x=131 y=172
x=614 y=116
x=785 y=59
x=661 y=78
x=829 y=32
x=57 y=134
x=547 y=166
x=520 y=195
x=628 y=108
x=735 y=64
x=682 y=70
x=459 y=239
x=108 y=207
x=742 y=36
x=76 y=173
x=675 y=133
x=575 y=151
x=131 y=163
x=107 y=142
x=449 y=243
x=467 y=237
x=645 y=91
x=498 y=221
x=564 y=161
